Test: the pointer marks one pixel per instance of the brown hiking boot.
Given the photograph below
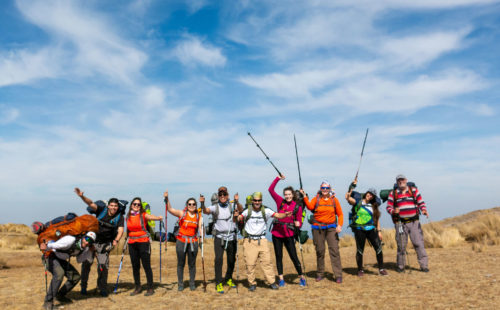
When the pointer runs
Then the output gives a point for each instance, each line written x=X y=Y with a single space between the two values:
x=137 y=290
x=383 y=272
x=149 y=292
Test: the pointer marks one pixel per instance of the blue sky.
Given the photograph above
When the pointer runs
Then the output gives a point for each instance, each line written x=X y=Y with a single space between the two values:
x=127 y=98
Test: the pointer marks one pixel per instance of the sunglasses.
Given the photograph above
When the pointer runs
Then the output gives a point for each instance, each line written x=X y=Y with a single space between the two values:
x=136 y=204
x=257 y=200
x=191 y=204
x=325 y=187
x=88 y=239
x=223 y=194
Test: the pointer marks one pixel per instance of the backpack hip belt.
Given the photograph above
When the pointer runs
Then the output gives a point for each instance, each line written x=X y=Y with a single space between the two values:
x=410 y=219
x=188 y=240
x=255 y=237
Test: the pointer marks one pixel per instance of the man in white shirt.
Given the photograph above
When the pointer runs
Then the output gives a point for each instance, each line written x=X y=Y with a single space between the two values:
x=56 y=260
x=255 y=245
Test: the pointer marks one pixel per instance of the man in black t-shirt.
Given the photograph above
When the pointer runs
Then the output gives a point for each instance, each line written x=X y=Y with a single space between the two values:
x=110 y=232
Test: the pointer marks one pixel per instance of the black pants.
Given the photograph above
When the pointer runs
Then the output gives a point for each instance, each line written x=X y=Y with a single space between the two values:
x=289 y=243
x=181 y=261
x=60 y=269
x=219 y=246
x=141 y=252
x=372 y=236
x=102 y=268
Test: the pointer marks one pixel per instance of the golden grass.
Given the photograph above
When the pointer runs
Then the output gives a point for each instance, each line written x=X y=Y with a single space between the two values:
x=16 y=237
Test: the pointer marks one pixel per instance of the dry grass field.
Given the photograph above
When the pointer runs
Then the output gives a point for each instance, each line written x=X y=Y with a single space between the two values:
x=464 y=255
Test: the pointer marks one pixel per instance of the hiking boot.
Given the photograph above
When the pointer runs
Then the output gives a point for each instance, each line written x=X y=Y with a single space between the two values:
x=63 y=299
x=319 y=278
x=338 y=280
x=83 y=291
x=252 y=288
x=149 y=292
x=230 y=283
x=48 y=305
x=361 y=273
x=220 y=288
x=282 y=283
x=180 y=287
x=400 y=270
x=137 y=290
x=103 y=294
x=424 y=269
x=192 y=287
x=302 y=282
x=383 y=272
x=273 y=286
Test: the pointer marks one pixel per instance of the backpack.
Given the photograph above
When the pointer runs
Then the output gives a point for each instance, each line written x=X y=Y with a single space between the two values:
x=411 y=187
x=68 y=225
x=122 y=206
x=353 y=215
x=262 y=209
x=150 y=225
x=178 y=223
x=215 y=217
x=384 y=194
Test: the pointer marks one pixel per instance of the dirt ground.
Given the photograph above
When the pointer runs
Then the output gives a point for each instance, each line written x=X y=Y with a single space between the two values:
x=460 y=278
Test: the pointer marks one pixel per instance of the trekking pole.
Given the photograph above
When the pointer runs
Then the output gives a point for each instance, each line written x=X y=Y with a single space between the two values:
x=267 y=157
x=202 y=253
x=161 y=224
x=237 y=262
x=121 y=264
x=298 y=165
x=45 y=265
x=362 y=150
x=302 y=256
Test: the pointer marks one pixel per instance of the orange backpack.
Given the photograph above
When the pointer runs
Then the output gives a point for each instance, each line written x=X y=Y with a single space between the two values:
x=73 y=227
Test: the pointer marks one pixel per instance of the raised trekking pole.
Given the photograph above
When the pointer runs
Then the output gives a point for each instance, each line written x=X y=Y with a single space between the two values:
x=161 y=224
x=361 y=157
x=298 y=165
x=267 y=157
x=121 y=264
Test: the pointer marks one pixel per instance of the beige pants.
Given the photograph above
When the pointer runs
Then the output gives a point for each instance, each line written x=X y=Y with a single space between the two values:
x=254 y=251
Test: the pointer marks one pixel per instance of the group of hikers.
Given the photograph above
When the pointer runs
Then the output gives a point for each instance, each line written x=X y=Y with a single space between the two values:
x=404 y=204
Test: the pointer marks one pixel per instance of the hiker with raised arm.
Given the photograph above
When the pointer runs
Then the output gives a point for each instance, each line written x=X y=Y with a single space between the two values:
x=56 y=258
x=283 y=230
x=139 y=244
x=255 y=245
x=111 y=224
x=224 y=236
x=187 y=239
x=404 y=205
x=326 y=224
x=365 y=224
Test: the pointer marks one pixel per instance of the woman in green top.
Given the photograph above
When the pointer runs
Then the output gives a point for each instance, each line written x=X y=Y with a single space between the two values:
x=365 y=224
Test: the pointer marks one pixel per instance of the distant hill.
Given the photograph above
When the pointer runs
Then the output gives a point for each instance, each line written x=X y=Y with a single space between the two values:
x=468 y=217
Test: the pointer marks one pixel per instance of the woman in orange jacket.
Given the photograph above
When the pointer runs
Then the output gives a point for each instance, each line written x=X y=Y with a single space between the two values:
x=326 y=224
x=187 y=239
x=138 y=244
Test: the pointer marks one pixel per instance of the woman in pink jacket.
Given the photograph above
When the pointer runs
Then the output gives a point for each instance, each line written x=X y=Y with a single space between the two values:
x=283 y=230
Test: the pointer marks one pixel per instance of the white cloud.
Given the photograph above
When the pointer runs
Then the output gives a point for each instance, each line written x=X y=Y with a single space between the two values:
x=196 y=5
x=153 y=96
x=8 y=114
x=481 y=109
x=192 y=51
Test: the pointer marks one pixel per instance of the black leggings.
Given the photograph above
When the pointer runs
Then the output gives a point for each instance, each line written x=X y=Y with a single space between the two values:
x=219 y=246
x=289 y=243
x=141 y=251
x=372 y=236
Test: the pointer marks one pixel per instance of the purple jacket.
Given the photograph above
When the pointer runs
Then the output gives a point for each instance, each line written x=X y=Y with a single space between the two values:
x=283 y=231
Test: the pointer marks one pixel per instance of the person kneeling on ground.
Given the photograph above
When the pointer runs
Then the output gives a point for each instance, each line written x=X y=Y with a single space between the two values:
x=255 y=245
x=110 y=232
x=56 y=261
x=139 y=246
x=187 y=239
x=366 y=225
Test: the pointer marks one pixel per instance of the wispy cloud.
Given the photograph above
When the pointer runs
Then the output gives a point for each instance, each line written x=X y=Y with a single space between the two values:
x=8 y=114
x=191 y=51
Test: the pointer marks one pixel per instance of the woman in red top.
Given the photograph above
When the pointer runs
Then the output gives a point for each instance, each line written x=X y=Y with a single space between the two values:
x=138 y=244
x=187 y=239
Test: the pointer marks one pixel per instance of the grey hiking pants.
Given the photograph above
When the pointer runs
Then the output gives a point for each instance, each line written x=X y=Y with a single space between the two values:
x=60 y=269
x=414 y=230
x=330 y=236
x=102 y=267
x=181 y=261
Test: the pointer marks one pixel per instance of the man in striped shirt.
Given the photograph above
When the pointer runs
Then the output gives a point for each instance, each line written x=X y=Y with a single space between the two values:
x=405 y=205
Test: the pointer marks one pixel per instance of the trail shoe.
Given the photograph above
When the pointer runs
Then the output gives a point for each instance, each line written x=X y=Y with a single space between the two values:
x=48 y=305
x=252 y=288
x=282 y=283
x=319 y=278
x=63 y=299
x=302 y=282
x=149 y=292
x=180 y=287
x=361 y=273
x=137 y=290
x=230 y=283
x=192 y=287
x=424 y=269
x=273 y=286
x=83 y=291
x=383 y=272
x=220 y=288
x=400 y=270
x=338 y=280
